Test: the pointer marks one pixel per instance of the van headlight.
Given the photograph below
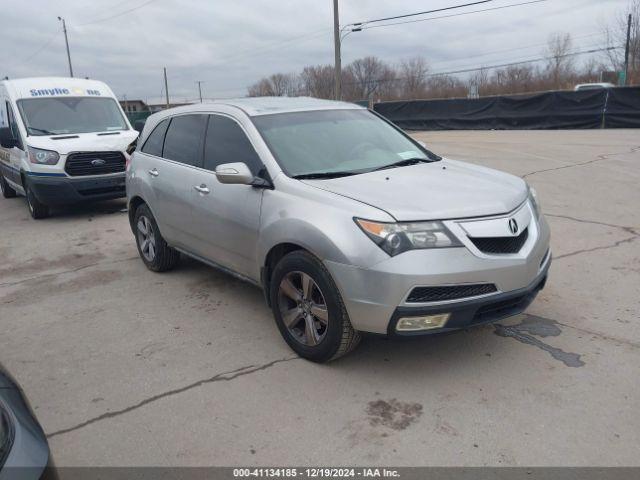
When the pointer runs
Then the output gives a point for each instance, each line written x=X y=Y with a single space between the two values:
x=43 y=157
x=395 y=238
x=535 y=203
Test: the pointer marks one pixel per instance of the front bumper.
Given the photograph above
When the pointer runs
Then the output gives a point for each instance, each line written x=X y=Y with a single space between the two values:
x=473 y=312
x=63 y=190
x=376 y=297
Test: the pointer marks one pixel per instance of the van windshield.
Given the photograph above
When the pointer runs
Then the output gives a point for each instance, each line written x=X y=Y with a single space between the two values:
x=56 y=115
x=333 y=143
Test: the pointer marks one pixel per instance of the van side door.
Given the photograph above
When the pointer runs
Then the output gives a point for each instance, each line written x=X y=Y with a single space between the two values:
x=11 y=158
x=226 y=218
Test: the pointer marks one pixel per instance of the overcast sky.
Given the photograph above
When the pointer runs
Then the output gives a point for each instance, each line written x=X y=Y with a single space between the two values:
x=229 y=44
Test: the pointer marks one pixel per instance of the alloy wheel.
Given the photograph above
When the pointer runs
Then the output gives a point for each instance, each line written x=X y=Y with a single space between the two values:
x=146 y=238
x=303 y=308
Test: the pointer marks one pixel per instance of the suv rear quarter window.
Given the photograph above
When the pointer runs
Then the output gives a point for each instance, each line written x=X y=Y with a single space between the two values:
x=153 y=145
x=183 y=141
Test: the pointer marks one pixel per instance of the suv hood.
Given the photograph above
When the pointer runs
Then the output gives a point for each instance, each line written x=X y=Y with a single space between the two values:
x=432 y=191
x=84 y=142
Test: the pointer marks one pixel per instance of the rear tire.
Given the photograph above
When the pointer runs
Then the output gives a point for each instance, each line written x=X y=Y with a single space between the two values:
x=37 y=209
x=307 y=305
x=7 y=191
x=153 y=249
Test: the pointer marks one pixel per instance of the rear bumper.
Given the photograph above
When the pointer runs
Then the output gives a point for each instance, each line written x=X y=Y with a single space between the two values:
x=66 y=190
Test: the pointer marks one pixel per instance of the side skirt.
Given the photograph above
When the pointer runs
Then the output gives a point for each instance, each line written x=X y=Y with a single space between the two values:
x=217 y=266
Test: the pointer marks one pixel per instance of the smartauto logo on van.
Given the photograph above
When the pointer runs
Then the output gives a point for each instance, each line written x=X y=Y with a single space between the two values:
x=40 y=92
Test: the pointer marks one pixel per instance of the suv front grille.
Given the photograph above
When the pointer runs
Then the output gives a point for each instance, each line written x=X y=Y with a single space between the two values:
x=455 y=292
x=84 y=163
x=498 y=245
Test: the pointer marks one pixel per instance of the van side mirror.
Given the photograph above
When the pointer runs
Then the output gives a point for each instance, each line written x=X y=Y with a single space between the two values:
x=234 y=173
x=7 y=140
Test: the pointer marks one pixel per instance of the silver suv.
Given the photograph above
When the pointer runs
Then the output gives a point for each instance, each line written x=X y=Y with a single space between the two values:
x=347 y=223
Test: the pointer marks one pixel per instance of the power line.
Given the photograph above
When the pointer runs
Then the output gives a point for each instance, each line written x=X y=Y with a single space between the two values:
x=455 y=14
x=418 y=13
x=117 y=14
x=36 y=52
x=495 y=52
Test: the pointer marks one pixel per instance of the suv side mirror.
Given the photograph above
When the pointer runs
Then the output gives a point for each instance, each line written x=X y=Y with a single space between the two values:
x=7 y=140
x=234 y=173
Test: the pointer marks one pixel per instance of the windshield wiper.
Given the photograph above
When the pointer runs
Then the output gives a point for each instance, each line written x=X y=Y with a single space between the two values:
x=323 y=175
x=403 y=163
x=42 y=130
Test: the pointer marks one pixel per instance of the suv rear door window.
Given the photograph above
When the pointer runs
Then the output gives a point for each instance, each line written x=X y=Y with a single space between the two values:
x=226 y=142
x=153 y=145
x=183 y=142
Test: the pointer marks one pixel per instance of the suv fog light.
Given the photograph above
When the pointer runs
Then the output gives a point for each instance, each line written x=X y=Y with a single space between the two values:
x=415 y=324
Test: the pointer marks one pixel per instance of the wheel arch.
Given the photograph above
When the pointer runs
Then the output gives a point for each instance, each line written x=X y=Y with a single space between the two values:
x=133 y=206
x=274 y=255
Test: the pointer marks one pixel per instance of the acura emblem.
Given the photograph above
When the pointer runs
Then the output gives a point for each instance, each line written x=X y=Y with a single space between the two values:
x=513 y=226
x=98 y=162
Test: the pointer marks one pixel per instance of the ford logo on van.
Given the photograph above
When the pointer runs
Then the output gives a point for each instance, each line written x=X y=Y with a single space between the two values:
x=98 y=162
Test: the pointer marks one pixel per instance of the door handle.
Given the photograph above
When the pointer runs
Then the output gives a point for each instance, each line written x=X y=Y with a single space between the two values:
x=154 y=172
x=202 y=189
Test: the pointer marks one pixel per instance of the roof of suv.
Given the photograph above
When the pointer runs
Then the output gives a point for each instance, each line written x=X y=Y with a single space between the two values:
x=255 y=106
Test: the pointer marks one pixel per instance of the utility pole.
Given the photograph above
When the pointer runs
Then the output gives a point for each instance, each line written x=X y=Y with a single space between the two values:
x=626 y=52
x=199 y=82
x=337 y=41
x=166 y=86
x=66 y=41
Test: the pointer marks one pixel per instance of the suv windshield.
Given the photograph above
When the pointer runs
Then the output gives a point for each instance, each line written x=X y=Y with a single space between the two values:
x=328 y=143
x=55 y=116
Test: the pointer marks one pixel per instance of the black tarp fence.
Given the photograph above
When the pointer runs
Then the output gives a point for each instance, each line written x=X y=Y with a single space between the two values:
x=610 y=108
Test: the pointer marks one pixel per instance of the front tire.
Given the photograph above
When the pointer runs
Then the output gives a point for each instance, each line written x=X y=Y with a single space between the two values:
x=309 y=310
x=37 y=209
x=7 y=191
x=153 y=249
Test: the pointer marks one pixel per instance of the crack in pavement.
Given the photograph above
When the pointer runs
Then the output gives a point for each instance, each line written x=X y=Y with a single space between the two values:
x=594 y=249
x=630 y=230
x=220 y=377
x=599 y=158
x=64 y=272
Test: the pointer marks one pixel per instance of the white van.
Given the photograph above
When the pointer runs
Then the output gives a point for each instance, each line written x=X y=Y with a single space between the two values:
x=62 y=141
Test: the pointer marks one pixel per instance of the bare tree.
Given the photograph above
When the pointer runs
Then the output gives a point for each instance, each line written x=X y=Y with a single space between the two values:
x=276 y=85
x=318 y=81
x=413 y=78
x=560 y=65
x=446 y=86
x=616 y=34
x=368 y=78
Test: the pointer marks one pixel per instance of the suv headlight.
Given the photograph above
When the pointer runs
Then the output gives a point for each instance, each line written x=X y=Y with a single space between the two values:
x=43 y=157
x=395 y=238
x=533 y=198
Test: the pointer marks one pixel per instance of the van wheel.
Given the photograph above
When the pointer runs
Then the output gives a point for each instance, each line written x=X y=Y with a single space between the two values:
x=37 y=209
x=309 y=310
x=153 y=249
x=7 y=191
